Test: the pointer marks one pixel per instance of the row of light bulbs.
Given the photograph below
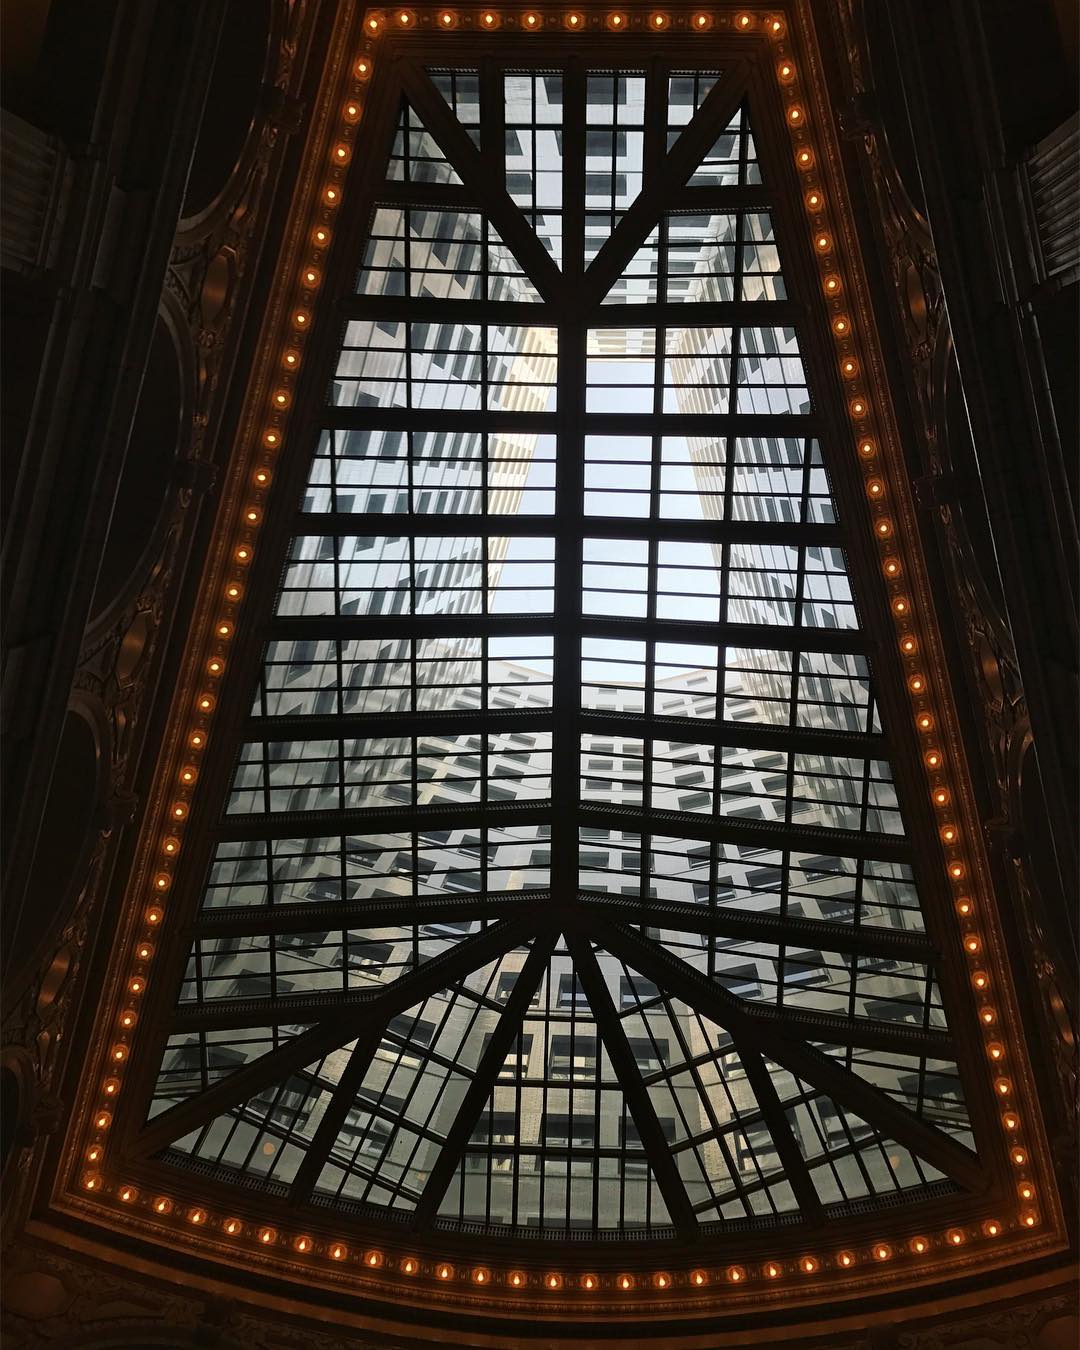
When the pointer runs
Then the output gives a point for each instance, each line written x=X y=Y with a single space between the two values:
x=251 y=517
x=303 y=1244
x=941 y=793
x=571 y=20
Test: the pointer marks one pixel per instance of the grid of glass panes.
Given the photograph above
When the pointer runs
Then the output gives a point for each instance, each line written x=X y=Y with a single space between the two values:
x=453 y=367
x=745 y=877
x=695 y=371
x=692 y=581
x=704 y=257
x=556 y=1145
x=381 y=772
x=707 y=476
x=437 y=472
x=417 y=574
x=732 y=161
x=416 y=157
x=614 y=153
x=726 y=782
x=326 y=676
x=461 y=90
x=534 y=165
x=439 y=255
x=827 y=691
x=375 y=864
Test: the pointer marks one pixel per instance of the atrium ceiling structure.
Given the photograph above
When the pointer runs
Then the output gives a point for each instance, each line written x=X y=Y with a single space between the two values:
x=561 y=883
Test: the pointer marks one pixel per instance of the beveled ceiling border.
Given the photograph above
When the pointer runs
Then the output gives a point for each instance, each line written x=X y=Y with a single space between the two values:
x=634 y=1281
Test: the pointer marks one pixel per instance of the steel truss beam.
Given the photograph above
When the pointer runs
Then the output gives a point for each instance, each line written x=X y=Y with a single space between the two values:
x=506 y=1031
x=339 y=1024
x=775 y=1037
x=510 y=721
x=726 y=921
x=610 y=1030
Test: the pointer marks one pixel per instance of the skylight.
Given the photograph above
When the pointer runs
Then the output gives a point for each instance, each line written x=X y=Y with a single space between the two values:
x=562 y=882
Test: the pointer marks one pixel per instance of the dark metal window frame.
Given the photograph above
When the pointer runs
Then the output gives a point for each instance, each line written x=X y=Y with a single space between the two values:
x=583 y=916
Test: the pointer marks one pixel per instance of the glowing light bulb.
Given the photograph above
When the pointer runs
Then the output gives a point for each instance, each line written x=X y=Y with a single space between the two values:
x=338 y=1252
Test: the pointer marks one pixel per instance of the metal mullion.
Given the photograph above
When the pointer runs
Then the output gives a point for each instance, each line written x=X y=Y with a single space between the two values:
x=654 y=144
x=492 y=121
x=611 y=1033
x=648 y=749
x=351 y=524
x=569 y=508
x=338 y=416
x=854 y=981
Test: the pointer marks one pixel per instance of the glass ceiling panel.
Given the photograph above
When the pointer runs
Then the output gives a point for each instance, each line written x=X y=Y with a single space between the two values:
x=573 y=763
